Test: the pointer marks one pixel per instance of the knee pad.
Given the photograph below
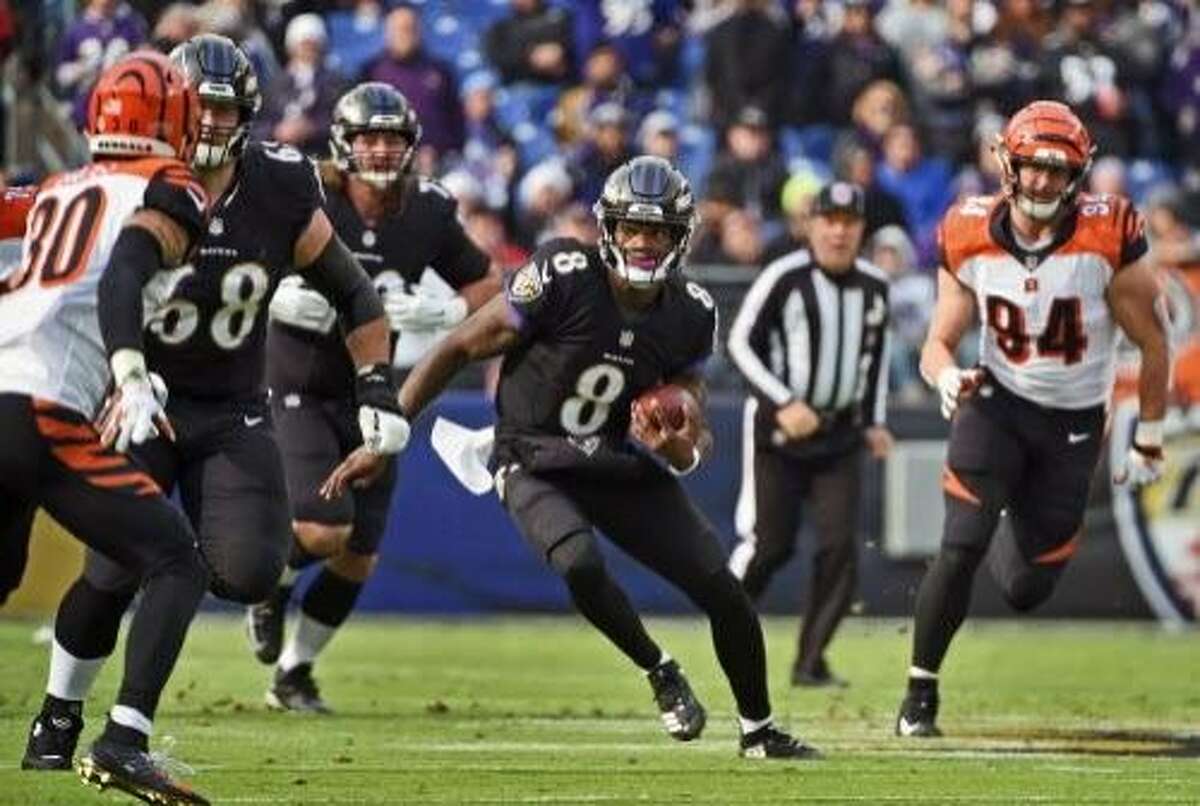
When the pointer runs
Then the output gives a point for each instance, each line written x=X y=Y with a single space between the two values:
x=578 y=561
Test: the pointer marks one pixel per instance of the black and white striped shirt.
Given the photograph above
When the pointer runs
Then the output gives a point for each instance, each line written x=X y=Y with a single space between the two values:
x=805 y=334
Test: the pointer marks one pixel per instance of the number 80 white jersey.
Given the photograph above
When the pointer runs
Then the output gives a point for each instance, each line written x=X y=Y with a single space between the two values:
x=1046 y=331
x=50 y=343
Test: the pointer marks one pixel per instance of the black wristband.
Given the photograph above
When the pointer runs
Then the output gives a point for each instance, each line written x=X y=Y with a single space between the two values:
x=374 y=387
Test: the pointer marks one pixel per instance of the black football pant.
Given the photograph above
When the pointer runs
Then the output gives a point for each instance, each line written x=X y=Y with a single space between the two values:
x=652 y=520
x=53 y=459
x=770 y=512
x=1006 y=454
x=227 y=469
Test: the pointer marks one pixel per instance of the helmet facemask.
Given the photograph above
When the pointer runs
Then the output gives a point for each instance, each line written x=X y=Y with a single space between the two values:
x=1039 y=209
x=378 y=169
x=642 y=271
x=219 y=144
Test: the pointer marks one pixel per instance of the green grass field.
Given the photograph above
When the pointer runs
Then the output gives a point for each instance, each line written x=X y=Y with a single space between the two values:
x=540 y=710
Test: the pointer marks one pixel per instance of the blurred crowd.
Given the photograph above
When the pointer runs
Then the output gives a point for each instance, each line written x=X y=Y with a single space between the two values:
x=527 y=105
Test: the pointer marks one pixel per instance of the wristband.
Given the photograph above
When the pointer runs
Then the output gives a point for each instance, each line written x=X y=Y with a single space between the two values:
x=1148 y=434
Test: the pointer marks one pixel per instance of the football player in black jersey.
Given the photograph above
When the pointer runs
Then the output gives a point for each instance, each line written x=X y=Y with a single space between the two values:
x=400 y=226
x=206 y=338
x=584 y=331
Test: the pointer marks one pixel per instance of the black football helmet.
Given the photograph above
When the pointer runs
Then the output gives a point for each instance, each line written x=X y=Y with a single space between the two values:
x=374 y=107
x=647 y=190
x=221 y=74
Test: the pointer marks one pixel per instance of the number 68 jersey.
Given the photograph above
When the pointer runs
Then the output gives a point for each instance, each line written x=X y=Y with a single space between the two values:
x=207 y=321
x=1046 y=331
x=581 y=360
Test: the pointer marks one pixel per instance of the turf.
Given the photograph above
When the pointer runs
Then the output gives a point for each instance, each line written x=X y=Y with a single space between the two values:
x=540 y=710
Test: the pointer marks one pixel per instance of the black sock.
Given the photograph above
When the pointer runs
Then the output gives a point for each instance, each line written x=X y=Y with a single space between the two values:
x=942 y=603
x=299 y=559
x=330 y=598
x=738 y=640
x=599 y=600
x=53 y=706
x=922 y=687
x=120 y=734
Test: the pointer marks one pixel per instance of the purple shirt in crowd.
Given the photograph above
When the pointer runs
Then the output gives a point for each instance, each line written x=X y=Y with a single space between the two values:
x=92 y=43
x=430 y=86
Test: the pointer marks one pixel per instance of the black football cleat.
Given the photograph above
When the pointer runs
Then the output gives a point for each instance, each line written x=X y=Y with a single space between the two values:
x=918 y=716
x=264 y=625
x=682 y=714
x=52 y=741
x=295 y=690
x=820 y=677
x=134 y=771
x=770 y=742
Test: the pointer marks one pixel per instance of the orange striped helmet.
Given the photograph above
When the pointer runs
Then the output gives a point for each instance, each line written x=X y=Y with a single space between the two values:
x=1044 y=133
x=143 y=106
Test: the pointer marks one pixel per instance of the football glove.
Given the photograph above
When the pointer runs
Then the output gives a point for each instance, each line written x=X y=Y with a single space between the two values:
x=382 y=422
x=137 y=413
x=1144 y=460
x=419 y=311
x=300 y=306
x=955 y=384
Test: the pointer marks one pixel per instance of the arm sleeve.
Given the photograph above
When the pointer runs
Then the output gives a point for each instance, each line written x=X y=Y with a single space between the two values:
x=337 y=274
x=459 y=261
x=135 y=258
x=747 y=336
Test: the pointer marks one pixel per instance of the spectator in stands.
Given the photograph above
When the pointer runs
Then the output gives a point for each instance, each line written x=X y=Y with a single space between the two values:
x=428 y=83
x=576 y=221
x=1174 y=243
x=489 y=153
x=236 y=20
x=102 y=34
x=923 y=185
x=487 y=229
x=355 y=34
x=740 y=242
x=942 y=95
x=604 y=81
x=749 y=166
x=911 y=295
x=533 y=44
x=298 y=103
x=1005 y=63
x=880 y=106
x=1082 y=69
x=647 y=34
x=911 y=26
x=542 y=193
x=466 y=189
x=1181 y=96
x=856 y=57
x=796 y=201
x=177 y=24
x=982 y=177
x=606 y=147
x=854 y=162
x=743 y=57
x=658 y=135
x=812 y=33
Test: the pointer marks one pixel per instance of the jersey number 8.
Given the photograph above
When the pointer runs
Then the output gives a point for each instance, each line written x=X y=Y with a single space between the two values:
x=587 y=411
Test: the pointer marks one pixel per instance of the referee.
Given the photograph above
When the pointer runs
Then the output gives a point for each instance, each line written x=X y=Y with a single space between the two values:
x=811 y=341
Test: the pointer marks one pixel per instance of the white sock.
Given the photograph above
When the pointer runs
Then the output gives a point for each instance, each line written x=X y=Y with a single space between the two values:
x=921 y=674
x=308 y=640
x=289 y=576
x=71 y=678
x=131 y=718
x=751 y=725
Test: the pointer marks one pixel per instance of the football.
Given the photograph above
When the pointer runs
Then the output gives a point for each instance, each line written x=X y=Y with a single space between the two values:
x=675 y=404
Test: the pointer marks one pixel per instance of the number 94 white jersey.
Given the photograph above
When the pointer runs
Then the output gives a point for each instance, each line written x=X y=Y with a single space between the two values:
x=1046 y=331
x=50 y=344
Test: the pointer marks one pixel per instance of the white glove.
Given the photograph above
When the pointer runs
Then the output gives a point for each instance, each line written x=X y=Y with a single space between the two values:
x=298 y=305
x=382 y=431
x=954 y=385
x=137 y=412
x=1144 y=460
x=418 y=311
